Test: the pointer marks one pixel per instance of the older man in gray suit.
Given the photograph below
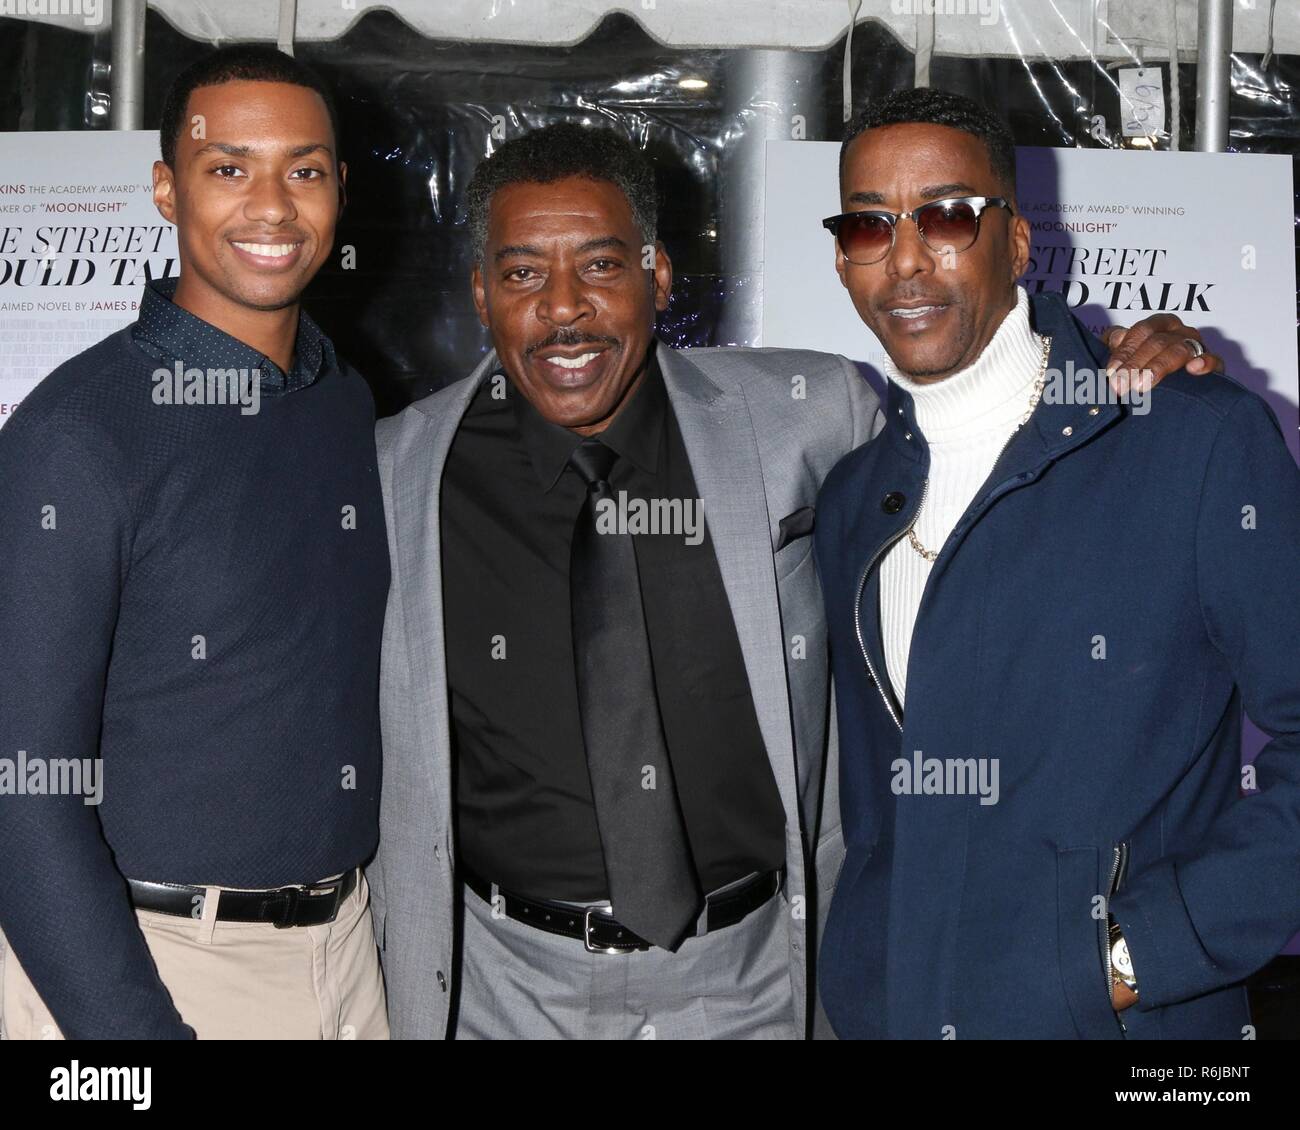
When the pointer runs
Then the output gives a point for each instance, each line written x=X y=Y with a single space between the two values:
x=609 y=805
x=605 y=739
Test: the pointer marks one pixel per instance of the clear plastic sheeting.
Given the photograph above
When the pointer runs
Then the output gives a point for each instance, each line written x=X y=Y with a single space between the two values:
x=986 y=28
x=418 y=114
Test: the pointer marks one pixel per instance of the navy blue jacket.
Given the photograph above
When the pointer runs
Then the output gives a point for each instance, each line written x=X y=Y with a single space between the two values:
x=1119 y=587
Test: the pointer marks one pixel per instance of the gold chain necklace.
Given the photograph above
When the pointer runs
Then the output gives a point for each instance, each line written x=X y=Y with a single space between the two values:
x=1039 y=385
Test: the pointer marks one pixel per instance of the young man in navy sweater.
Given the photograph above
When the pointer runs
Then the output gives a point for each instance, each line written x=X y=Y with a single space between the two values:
x=191 y=602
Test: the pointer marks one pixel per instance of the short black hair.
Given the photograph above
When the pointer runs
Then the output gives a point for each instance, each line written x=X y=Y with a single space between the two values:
x=238 y=63
x=558 y=152
x=928 y=106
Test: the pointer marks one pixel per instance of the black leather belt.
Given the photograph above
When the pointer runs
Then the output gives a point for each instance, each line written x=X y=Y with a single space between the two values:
x=597 y=928
x=283 y=906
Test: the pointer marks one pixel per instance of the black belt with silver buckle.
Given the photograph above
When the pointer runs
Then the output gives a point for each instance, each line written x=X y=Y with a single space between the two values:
x=596 y=926
x=283 y=907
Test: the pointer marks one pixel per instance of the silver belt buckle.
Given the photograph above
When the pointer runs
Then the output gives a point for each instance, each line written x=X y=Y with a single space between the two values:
x=297 y=893
x=586 y=934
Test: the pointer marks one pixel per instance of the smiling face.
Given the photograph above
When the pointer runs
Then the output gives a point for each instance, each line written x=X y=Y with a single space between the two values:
x=254 y=199
x=961 y=297
x=562 y=290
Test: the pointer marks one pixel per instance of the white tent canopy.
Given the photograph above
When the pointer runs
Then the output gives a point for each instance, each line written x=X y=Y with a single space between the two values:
x=1057 y=29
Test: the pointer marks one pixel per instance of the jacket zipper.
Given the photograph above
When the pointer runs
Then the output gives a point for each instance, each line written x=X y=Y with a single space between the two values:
x=857 y=606
x=862 y=579
x=1119 y=864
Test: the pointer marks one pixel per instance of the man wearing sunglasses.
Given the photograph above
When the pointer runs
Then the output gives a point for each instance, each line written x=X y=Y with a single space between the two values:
x=1044 y=619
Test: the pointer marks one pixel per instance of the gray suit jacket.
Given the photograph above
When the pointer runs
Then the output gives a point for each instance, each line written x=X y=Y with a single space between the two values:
x=762 y=427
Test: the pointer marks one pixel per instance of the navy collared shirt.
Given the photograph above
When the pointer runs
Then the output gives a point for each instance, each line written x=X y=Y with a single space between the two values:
x=169 y=332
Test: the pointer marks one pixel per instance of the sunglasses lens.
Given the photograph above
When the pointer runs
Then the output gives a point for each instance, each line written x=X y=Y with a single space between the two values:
x=948 y=226
x=865 y=238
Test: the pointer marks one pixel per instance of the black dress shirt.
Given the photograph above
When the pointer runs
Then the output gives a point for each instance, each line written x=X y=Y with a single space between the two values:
x=509 y=506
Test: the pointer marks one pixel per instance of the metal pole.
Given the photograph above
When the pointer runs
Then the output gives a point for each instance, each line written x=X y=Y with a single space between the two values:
x=924 y=46
x=126 y=79
x=770 y=94
x=1213 y=72
x=288 y=20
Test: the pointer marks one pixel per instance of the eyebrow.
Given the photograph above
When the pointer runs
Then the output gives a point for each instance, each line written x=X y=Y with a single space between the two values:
x=600 y=243
x=930 y=192
x=249 y=151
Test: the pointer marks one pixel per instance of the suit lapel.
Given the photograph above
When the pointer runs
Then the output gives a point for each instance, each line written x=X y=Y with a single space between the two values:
x=718 y=433
x=417 y=520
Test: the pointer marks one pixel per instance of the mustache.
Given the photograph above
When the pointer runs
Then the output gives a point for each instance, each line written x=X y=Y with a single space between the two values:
x=571 y=337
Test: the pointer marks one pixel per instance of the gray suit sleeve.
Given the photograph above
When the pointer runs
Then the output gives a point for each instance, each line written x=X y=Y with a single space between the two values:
x=384 y=430
x=865 y=415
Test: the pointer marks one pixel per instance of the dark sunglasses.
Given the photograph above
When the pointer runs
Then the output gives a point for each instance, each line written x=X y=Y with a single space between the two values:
x=943 y=225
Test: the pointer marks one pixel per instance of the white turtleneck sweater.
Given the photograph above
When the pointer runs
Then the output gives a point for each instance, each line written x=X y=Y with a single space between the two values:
x=966 y=420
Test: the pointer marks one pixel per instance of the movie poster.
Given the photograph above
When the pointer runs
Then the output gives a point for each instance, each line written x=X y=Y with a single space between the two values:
x=79 y=235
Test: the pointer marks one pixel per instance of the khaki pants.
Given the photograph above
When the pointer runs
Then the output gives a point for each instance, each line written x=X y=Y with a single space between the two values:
x=244 y=980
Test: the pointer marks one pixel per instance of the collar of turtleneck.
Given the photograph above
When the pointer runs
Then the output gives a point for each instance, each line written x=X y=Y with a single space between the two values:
x=989 y=395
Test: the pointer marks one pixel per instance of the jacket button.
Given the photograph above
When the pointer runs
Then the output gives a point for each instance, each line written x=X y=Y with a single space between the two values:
x=892 y=503
x=442 y=981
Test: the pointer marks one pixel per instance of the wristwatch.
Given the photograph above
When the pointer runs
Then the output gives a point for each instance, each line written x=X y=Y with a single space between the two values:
x=1121 y=964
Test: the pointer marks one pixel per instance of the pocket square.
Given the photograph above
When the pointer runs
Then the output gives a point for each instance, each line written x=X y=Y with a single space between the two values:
x=794 y=526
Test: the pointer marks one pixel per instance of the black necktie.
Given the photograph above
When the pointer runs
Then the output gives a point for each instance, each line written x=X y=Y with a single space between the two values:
x=652 y=881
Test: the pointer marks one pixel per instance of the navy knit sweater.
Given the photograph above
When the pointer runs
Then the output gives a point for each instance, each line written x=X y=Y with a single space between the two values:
x=193 y=593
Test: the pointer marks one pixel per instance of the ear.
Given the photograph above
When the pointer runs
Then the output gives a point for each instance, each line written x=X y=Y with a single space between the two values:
x=663 y=277
x=480 y=294
x=841 y=265
x=164 y=191
x=1021 y=243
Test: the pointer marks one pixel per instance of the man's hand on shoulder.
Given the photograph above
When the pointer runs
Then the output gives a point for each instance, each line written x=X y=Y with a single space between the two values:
x=1141 y=356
